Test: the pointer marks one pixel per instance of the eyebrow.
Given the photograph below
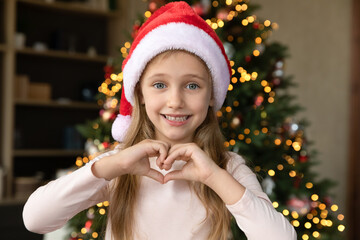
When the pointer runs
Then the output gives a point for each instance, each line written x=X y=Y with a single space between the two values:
x=185 y=75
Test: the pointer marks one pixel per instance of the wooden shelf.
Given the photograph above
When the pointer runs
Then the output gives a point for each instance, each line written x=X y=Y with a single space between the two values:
x=12 y=201
x=47 y=153
x=56 y=104
x=79 y=8
x=2 y=47
x=63 y=54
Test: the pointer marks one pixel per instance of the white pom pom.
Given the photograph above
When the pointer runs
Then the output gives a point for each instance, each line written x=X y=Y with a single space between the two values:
x=120 y=127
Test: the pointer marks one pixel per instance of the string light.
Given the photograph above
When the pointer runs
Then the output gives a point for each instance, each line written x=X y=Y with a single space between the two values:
x=294 y=214
x=127 y=44
x=305 y=237
x=341 y=228
x=102 y=211
x=267 y=23
x=258 y=40
x=334 y=208
x=275 y=26
x=285 y=212
x=309 y=185
x=271 y=173
x=292 y=173
x=316 y=234
x=314 y=197
x=147 y=14
x=295 y=223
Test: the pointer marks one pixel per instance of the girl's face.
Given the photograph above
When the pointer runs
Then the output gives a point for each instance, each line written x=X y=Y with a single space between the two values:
x=176 y=90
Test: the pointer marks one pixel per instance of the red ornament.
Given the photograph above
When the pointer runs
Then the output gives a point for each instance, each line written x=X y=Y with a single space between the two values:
x=300 y=205
x=256 y=25
x=135 y=31
x=152 y=6
x=327 y=201
x=113 y=116
x=88 y=224
x=259 y=100
x=276 y=81
x=297 y=182
x=222 y=14
x=105 y=145
x=303 y=159
x=108 y=71
x=248 y=58
x=198 y=8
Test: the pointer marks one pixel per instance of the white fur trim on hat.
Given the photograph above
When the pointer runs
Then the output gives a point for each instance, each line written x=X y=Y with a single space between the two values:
x=120 y=127
x=178 y=35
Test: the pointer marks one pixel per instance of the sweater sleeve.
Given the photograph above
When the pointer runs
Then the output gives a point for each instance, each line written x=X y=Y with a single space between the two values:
x=52 y=205
x=254 y=213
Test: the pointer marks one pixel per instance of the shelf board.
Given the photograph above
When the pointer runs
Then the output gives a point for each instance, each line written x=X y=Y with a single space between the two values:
x=78 y=8
x=63 y=54
x=12 y=201
x=2 y=47
x=56 y=104
x=47 y=153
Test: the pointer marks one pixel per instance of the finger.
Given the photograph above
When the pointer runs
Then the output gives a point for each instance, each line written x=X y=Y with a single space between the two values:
x=157 y=176
x=180 y=153
x=174 y=175
x=157 y=149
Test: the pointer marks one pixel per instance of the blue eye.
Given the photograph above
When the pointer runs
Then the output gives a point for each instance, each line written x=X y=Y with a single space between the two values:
x=192 y=86
x=159 y=85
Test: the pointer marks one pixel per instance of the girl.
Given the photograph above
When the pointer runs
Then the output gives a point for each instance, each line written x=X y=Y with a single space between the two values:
x=170 y=178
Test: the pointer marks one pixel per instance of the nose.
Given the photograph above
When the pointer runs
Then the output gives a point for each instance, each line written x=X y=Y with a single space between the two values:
x=175 y=99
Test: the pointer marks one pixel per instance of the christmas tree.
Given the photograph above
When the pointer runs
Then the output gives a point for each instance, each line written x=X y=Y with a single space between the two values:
x=258 y=120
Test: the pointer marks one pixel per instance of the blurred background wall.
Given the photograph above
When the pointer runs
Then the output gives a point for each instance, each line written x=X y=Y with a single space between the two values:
x=318 y=36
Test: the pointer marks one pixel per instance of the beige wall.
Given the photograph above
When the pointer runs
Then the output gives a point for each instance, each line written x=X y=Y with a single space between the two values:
x=318 y=36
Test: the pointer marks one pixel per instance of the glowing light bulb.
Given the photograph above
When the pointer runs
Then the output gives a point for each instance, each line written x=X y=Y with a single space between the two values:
x=271 y=172
x=147 y=14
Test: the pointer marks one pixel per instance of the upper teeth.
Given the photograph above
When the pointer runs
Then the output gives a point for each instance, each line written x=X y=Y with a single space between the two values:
x=178 y=119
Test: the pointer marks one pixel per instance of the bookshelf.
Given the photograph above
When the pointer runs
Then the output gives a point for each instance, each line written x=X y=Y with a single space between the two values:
x=56 y=52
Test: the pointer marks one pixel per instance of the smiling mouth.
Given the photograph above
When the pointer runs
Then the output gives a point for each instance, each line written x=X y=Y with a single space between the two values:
x=176 y=118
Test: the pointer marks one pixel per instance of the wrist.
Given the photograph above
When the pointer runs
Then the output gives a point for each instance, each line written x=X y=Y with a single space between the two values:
x=214 y=177
x=107 y=168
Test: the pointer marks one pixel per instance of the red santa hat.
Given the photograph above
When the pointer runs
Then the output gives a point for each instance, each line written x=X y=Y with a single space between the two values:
x=174 y=26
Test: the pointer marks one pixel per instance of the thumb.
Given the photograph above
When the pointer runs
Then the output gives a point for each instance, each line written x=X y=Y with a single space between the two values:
x=174 y=175
x=156 y=175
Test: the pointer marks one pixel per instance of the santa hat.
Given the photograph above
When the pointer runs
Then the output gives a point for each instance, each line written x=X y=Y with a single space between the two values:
x=174 y=26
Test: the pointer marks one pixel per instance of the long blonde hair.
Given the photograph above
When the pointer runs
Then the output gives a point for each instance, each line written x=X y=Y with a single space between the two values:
x=125 y=190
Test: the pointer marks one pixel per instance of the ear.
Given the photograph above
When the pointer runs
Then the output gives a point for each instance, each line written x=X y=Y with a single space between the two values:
x=212 y=101
x=141 y=98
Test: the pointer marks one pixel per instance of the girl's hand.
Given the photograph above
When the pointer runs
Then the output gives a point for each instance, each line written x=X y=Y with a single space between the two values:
x=199 y=166
x=133 y=160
